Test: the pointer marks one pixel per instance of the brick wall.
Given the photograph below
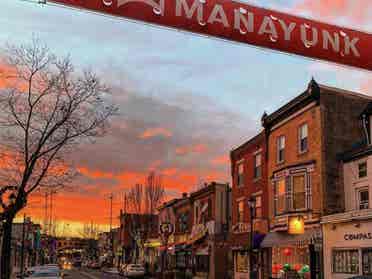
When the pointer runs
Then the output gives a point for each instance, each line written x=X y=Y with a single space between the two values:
x=342 y=129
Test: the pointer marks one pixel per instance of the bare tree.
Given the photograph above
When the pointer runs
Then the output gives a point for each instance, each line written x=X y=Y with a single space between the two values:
x=142 y=201
x=154 y=193
x=46 y=111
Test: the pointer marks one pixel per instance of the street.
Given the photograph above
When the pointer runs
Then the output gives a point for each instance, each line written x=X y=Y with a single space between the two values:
x=89 y=274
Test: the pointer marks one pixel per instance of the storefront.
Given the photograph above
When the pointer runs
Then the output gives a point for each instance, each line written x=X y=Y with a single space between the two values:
x=295 y=253
x=347 y=246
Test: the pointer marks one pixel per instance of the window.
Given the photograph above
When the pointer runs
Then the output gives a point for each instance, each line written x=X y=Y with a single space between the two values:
x=242 y=262
x=280 y=196
x=345 y=261
x=257 y=166
x=240 y=174
x=302 y=141
x=240 y=211
x=367 y=261
x=258 y=207
x=280 y=149
x=363 y=198
x=299 y=192
x=362 y=167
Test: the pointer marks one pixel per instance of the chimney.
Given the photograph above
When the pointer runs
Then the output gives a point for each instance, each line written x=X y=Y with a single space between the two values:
x=184 y=195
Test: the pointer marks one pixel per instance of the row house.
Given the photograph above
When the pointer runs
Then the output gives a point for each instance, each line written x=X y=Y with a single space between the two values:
x=347 y=236
x=209 y=234
x=196 y=243
x=249 y=182
x=304 y=138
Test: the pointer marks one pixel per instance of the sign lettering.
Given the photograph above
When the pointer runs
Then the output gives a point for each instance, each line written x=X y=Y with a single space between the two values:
x=240 y=22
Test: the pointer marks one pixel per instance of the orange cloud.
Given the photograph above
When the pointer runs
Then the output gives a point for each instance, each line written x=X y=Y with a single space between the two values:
x=154 y=132
x=198 y=148
x=95 y=174
x=221 y=160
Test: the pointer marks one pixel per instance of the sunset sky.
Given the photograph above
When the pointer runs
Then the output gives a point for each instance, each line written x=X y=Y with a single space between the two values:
x=185 y=101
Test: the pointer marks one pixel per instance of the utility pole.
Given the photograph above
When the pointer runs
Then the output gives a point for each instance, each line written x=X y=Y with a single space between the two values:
x=111 y=197
x=46 y=214
x=51 y=213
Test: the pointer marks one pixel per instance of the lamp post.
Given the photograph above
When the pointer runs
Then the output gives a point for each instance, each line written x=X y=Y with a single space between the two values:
x=252 y=206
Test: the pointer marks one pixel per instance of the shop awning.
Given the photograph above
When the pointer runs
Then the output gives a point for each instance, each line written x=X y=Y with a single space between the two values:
x=277 y=239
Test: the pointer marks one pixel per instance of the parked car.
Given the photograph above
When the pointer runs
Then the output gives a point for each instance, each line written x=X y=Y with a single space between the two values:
x=134 y=270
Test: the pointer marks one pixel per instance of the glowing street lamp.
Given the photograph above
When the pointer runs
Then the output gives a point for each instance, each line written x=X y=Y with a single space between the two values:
x=296 y=225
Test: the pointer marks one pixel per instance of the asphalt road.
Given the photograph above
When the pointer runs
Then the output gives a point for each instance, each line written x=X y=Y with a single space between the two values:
x=89 y=274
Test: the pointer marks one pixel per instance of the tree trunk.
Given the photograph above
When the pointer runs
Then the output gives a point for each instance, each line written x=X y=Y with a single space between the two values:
x=6 y=249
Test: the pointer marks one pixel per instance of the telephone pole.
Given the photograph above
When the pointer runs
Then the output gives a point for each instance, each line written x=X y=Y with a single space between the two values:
x=111 y=197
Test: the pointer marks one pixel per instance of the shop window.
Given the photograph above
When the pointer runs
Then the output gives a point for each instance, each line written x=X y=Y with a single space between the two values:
x=367 y=261
x=280 y=196
x=302 y=138
x=242 y=262
x=345 y=261
x=363 y=198
x=299 y=192
x=258 y=207
x=240 y=211
x=257 y=166
x=280 y=149
x=240 y=175
x=202 y=263
x=362 y=168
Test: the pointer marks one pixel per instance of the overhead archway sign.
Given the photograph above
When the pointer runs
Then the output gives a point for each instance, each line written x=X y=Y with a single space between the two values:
x=240 y=22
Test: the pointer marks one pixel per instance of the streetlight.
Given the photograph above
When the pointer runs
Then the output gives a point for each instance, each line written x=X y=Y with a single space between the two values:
x=252 y=207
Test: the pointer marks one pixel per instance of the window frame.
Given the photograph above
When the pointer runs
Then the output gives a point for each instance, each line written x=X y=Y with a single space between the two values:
x=340 y=250
x=359 y=169
x=240 y=215
x=279 y=149
x=359 y=191
x=300 y=150
x=240 y=176
x=276 y=196
x=258 y=216
x=291 y=196
x=257 y=169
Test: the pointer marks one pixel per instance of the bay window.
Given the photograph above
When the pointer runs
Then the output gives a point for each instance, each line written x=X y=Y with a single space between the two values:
x=292 y=193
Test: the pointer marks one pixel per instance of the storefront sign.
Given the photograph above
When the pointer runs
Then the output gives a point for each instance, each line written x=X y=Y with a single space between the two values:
x=240 y=22
x=358 y=236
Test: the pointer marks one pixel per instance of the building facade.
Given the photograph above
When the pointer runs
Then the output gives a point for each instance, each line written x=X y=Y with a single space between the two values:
x=348 y=236
x=304 y=139
x=249 y=181
x=209 y=233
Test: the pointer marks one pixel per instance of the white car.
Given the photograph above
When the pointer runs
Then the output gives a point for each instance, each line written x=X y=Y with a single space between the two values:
x=134 y=270
x=46 y=274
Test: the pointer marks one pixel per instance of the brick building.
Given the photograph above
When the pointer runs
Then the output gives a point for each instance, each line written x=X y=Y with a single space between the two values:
x=209 y=234
x=249 y=180
x=304 y=138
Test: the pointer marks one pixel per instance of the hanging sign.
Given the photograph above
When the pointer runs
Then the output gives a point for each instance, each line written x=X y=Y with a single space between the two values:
x=240 y=22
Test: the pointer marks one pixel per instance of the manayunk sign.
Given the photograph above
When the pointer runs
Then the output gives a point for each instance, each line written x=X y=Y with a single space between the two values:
x=240 y=22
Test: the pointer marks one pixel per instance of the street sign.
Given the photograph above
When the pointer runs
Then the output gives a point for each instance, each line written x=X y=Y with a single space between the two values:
x=240 y=22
